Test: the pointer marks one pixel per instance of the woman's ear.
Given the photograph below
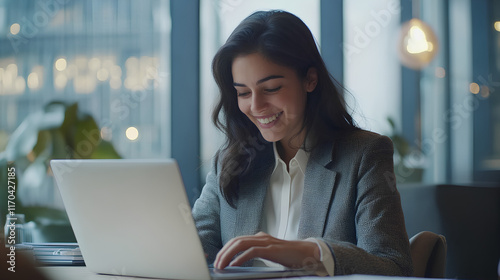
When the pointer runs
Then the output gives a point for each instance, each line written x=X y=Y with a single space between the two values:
x=311 y=79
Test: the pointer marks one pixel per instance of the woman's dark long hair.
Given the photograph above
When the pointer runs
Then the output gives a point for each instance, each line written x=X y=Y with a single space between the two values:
x=284 y=39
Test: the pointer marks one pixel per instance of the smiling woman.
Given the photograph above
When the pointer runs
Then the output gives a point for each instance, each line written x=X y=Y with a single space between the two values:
x=273 y=97
x=217 y=21
x=297 y=183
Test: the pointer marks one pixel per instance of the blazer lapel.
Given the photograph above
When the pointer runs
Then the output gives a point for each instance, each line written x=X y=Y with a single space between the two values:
x=319 y=184
x=253 y=190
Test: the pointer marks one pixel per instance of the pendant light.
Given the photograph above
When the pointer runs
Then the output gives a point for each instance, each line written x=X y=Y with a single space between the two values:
x=417 y=44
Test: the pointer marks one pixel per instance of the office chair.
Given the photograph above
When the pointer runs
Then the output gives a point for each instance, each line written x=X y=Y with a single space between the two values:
x=428 y=253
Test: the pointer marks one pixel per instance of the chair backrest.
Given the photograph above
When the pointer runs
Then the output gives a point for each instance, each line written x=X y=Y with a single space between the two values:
x=428 y=253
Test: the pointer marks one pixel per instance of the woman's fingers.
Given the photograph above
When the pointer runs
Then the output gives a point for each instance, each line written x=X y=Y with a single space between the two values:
x=294 y=254
x=237 y=245
x=254 y=252
x=288 y=253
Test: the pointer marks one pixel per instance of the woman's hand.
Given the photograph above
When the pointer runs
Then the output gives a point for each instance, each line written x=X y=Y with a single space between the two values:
x=294 y=254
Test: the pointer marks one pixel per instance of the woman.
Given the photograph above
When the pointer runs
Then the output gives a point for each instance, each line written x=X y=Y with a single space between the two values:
x=296 y=183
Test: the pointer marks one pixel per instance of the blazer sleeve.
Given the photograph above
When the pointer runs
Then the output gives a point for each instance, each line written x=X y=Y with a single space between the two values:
x=206 y=214
x=382 y=242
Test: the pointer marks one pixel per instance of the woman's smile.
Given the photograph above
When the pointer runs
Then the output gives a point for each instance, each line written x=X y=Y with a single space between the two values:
x=269 y=121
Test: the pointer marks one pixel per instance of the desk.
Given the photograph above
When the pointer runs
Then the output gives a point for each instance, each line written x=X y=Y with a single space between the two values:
x=82 y=273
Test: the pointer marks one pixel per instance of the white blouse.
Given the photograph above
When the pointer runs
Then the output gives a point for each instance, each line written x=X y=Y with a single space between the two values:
x=284 y=203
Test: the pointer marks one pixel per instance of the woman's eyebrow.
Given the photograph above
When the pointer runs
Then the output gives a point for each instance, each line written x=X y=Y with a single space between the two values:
x=261 y=80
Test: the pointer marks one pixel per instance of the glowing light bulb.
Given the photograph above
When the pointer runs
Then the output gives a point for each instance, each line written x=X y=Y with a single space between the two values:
x=474 y=88
x=132 y=133
x=497 y=26
x=418 y=44
x=33 y=81
x=60 y=64
x=102 y=74
x=15 y=28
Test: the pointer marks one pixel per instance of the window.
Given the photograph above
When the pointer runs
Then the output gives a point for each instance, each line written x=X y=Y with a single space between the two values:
x=110 y=57
x=371 y=65
x=493 y=162
x=485 y=86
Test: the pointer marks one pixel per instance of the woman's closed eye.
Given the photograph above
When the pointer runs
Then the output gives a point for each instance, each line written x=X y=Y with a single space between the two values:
x=243 y=94
x=247 y=93
x=273 y=89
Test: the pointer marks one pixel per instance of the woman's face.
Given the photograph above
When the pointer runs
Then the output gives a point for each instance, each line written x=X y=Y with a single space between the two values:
x=272 y=96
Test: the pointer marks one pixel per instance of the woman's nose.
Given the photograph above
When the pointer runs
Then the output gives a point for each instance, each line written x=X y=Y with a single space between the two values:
x=258 y=102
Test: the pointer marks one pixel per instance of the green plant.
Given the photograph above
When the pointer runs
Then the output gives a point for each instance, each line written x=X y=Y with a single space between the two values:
x=57 y=131
x=404 y=171
x=401 y=145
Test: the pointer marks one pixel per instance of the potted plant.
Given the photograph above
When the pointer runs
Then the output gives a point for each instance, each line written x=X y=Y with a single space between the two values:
x=57 y=131
x=405 y=170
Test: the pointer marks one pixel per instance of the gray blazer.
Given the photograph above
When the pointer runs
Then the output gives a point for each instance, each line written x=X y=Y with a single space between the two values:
x=350 y=201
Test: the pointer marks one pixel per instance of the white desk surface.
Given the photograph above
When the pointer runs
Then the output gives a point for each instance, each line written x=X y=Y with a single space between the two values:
x=82 y=273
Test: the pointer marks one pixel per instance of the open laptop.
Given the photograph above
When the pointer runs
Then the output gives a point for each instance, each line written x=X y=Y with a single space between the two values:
x=132 y=217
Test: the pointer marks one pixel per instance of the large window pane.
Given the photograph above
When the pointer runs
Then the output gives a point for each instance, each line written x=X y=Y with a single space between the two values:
x=371 y=66
x=110 y=57
x=490 y=87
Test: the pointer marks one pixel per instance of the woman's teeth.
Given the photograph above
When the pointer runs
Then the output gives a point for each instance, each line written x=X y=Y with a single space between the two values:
x=269 y=120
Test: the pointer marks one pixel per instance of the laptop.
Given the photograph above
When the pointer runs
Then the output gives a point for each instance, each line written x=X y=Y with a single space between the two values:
x=133 y=218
